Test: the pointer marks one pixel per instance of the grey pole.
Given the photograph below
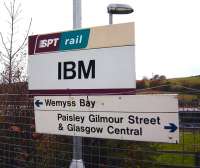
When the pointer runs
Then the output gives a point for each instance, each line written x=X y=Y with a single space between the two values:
x=110 y=18
x=77 y=161
x=76 y=14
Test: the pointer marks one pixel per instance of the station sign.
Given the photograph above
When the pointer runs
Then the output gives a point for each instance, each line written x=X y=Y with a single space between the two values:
x=84 y=60
x=150 y=118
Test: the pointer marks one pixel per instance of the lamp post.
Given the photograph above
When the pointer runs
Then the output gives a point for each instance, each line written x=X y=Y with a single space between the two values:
x=118 y=9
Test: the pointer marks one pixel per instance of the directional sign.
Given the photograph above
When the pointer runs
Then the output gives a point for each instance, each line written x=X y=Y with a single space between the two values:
x=85 y=60
x=38 y=103
x=172 y=127
x=128 y=117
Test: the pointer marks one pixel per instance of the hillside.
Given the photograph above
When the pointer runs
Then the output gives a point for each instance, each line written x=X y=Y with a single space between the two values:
x=193 y=82
x=188 y=88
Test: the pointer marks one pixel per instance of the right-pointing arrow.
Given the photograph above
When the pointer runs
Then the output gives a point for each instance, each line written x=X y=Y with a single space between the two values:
x=171 y=127
x=38 y=103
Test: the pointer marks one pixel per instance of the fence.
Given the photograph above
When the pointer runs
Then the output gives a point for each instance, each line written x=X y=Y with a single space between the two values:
x=21 y=147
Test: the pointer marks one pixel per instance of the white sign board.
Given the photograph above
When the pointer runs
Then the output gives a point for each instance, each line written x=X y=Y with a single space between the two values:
x=83 y=60
x=129 y=117
x=105 y=68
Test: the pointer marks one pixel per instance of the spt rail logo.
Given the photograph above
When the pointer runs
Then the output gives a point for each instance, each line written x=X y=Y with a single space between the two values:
x=59 y=41
x=48 y=42
x=74 y=39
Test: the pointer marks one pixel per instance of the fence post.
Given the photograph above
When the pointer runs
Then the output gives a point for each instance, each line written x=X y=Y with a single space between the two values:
x=197 y=160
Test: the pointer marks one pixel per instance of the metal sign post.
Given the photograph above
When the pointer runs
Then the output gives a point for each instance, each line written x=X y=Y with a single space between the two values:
x=77 y=161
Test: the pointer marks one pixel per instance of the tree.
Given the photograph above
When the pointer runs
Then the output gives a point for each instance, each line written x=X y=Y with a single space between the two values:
x=163 y=77
x=156 y=77
x=159 y=77
x=13 y=49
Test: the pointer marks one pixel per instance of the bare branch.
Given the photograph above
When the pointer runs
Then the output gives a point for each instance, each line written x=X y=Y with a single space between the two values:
x=25 y=39
x=3 y=58
x=11 y=38
x=8 y=10
x=12 y=8
x=13 y=58
x=4 y=44
x=17 y=20
x=8 y=22
x=18 y=11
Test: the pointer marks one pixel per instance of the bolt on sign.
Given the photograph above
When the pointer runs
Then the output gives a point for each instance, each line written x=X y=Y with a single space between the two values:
x=99 y=59
x=151 y=118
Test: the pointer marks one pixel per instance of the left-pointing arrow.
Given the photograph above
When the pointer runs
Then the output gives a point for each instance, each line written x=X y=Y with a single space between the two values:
x=38 y=103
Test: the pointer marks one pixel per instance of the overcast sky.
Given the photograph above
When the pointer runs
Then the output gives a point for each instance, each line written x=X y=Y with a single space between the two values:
x=167 y=31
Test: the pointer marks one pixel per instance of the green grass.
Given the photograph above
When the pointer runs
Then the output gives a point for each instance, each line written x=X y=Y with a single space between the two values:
x=188 y=95
x=189 y=142
x=194 y=80
x=174 y=159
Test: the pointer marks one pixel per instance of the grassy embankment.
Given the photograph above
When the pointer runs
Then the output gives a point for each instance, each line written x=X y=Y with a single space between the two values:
x=189 y=143
x=188 y=88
